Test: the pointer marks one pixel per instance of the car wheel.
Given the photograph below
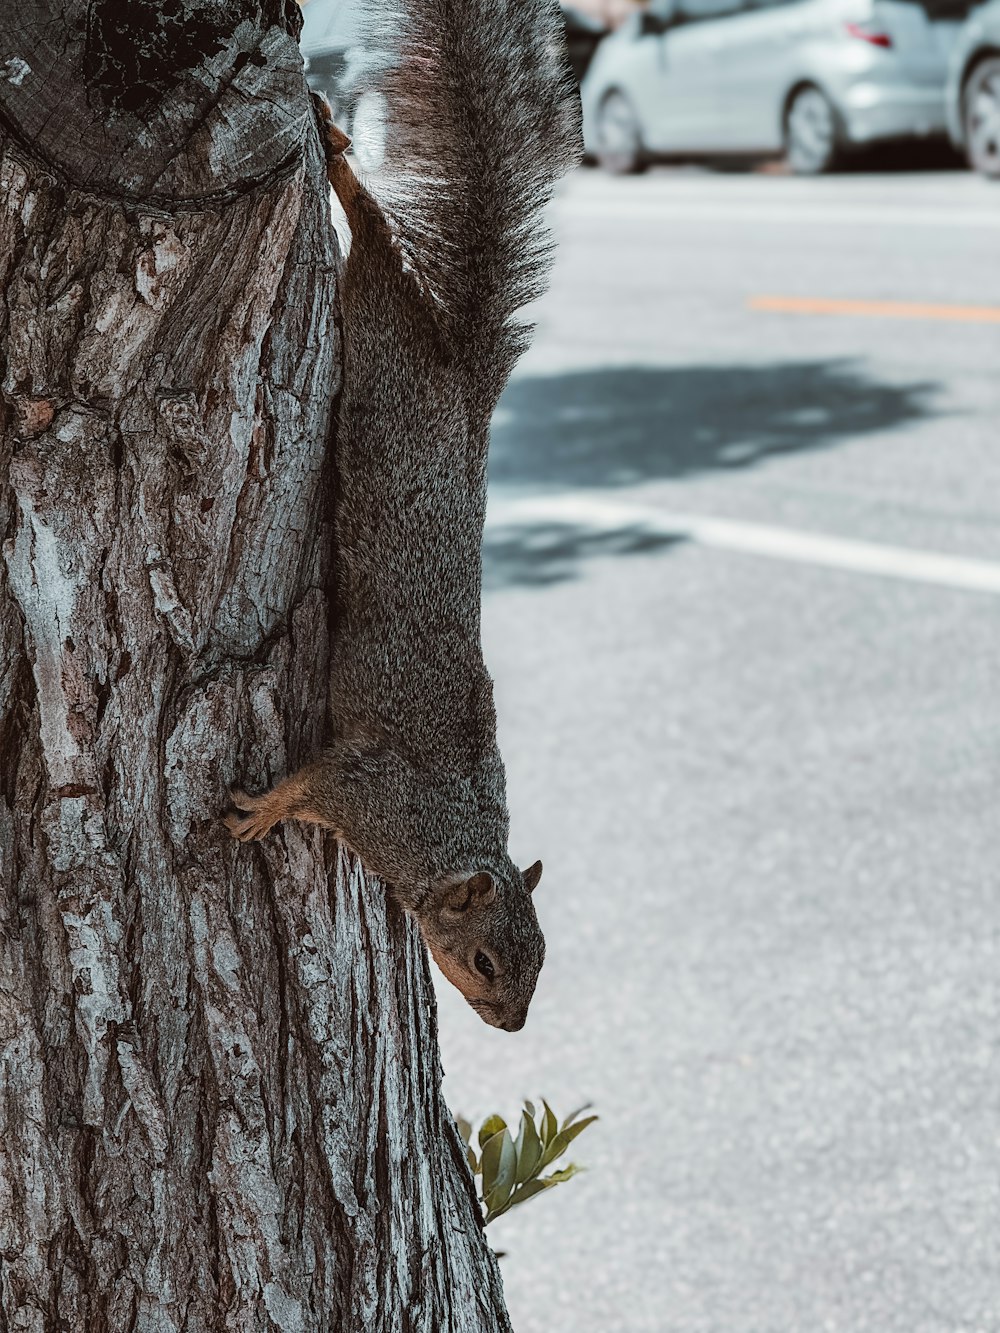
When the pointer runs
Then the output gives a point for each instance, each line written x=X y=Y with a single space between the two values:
x=812 y=141
x=619 y=138
x=981 y=108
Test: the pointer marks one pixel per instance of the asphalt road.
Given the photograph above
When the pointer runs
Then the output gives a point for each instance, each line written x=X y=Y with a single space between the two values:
x=761 y=766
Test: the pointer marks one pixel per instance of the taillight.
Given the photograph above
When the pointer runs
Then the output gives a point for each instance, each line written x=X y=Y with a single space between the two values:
x=872 y=36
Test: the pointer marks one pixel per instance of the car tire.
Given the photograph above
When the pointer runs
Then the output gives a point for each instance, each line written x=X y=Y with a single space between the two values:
x=619 y=136
x=981 y=118
x=812 y=133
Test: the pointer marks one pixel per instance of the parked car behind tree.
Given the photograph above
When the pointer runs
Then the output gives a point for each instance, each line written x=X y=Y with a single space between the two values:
x=329 y=31
x=338 y=59
x=814 y=78
x=973 y=92
x=583 y=35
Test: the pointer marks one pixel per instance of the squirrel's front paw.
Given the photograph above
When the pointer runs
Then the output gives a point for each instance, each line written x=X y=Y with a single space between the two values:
x=252 y=818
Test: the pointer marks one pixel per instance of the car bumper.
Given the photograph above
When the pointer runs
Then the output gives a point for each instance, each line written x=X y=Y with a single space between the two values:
x=874 y=111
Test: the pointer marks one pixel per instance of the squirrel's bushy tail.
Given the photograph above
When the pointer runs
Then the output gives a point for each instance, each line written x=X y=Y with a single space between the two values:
x=482 y=118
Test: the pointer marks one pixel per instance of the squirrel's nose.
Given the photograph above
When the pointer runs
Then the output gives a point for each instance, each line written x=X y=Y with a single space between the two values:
x=514 y=1024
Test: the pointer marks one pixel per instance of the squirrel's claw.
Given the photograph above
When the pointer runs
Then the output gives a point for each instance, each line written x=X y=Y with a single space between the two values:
x=256 y=823
x=247 y=828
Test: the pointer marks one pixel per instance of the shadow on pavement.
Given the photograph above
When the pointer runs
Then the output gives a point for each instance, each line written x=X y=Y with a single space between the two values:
x=539 y=554
x=627 y=425
x=914 y=155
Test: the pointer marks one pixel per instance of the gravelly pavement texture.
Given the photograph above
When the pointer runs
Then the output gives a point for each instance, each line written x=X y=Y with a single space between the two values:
x=765 y=789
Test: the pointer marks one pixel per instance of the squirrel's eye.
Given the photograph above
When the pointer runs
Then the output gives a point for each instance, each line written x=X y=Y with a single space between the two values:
x=483 y=965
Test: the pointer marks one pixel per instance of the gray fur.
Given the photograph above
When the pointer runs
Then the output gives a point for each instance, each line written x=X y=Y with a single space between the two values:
x=444 y=249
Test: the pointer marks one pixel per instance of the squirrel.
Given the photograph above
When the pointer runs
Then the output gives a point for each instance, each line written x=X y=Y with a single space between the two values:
x=483 y=117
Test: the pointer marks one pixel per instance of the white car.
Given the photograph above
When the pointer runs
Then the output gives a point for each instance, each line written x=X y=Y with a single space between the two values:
x=973 y=97
x=812 y=77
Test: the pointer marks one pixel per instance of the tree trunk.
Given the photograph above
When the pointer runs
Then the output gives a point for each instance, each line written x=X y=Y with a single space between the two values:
x=220 y=1095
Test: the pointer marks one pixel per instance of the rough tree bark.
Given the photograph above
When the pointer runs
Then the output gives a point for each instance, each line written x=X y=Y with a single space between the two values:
x=220 y=1090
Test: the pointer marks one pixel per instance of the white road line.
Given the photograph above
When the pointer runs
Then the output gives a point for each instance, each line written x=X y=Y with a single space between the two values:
x=789 y=214
x=810 y=548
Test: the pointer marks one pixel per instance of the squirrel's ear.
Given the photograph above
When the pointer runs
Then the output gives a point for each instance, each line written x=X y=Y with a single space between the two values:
x=478 y=890
x=531 y=876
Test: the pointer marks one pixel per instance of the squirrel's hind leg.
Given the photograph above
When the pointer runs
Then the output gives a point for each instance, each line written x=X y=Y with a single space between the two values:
x=296 y=797
x=352 y=194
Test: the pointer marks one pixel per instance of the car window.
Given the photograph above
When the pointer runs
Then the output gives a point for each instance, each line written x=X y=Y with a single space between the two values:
x=692 y=11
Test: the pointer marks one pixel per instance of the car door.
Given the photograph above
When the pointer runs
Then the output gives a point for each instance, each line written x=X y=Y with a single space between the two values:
x=755 y=57
x=680 y=89
x=659 y=92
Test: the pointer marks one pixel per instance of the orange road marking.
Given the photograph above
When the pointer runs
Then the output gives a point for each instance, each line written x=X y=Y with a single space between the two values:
x=813 y=305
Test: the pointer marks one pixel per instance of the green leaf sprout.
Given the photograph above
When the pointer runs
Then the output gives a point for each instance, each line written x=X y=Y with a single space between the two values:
x=510 y=1169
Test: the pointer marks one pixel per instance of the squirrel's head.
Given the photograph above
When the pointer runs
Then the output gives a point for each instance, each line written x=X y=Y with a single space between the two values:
x=484 y=935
